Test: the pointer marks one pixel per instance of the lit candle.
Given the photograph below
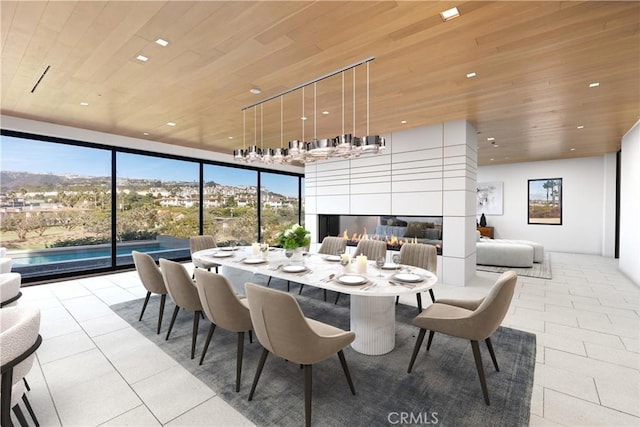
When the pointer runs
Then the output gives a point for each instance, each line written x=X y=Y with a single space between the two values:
x=255 y=249
x=361 y=264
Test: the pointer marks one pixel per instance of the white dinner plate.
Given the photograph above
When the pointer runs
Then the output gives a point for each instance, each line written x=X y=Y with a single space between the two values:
x=407 y=277
x=254 y=260
x=222 y=254
x=227 y=248
x=332 y=258
x=390 y=266
x=351 y=279
x=294 y=268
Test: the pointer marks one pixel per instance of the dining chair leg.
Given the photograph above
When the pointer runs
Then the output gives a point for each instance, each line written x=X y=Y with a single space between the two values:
x=419 y=300
x=483 y=381
x=163 y=299
x=433 y=297
x=269 y=281
x=26 y=384
x=212 y=329
x=431 y=333
x=250 y=337
x=325 y=295
x=416 y=349
x=493 y=355
x=397 y=299
x=194 y=336
x=173 y=320
x=345 y=368
x=300 y=290
x=308 y=378
x=30 y=410
x=144 y=304
x=20 y=416
x=239 y=359
x=288 y=286
x=263 y=358
x=337 y=298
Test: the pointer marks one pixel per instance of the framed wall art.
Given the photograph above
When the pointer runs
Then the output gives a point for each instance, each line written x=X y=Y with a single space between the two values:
x=489 y=198
x=545 y=201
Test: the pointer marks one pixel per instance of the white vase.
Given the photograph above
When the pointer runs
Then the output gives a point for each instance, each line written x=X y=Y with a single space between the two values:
x=298 y=256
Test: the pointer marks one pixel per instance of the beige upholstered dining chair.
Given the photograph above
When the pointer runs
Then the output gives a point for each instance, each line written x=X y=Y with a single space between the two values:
x=330 y=246
x=372 y=249
x=200 y=243
x=474 y=320
x=224 y=309
x=20 y=337
x=421 y=256
x=151 y=278
x=283 y=330
x=184 y=294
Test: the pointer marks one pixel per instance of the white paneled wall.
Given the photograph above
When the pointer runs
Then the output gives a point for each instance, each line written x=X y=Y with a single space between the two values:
x=428 y=171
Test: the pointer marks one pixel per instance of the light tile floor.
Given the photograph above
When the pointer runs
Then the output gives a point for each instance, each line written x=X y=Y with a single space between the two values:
x=94 y=369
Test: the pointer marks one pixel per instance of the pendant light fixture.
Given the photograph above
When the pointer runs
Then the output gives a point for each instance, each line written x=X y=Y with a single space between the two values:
x=301 y=152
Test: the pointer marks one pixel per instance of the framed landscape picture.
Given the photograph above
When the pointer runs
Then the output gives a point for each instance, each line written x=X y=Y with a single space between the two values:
x=545 y=201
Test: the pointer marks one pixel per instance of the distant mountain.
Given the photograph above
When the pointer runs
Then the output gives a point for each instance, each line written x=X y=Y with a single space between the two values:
x=11 y=180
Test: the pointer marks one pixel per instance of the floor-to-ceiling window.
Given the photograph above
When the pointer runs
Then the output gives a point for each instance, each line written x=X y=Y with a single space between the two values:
x=230 y=204
x=279 y=206
x=65 y=205
x=157 y=204
x=55 y=206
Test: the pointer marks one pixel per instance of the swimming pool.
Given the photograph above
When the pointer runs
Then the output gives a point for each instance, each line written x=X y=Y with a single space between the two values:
x=57 y=255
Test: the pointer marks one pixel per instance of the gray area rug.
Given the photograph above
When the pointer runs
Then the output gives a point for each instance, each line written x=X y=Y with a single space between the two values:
x=540 y=270
x=443 y=388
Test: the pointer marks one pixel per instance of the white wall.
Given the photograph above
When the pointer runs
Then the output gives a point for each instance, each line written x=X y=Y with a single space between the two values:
x=587 y=191
x=428 y=171
x=630 y=205
x=67 y=132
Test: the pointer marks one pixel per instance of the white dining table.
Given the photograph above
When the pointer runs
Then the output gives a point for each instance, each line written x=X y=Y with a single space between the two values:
x=372 y=309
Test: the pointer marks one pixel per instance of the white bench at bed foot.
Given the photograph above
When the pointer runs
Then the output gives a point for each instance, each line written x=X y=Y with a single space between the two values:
x=504 y=254
x=538 y=249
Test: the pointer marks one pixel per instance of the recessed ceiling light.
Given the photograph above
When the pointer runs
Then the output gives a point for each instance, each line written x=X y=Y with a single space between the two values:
x=303 y=118
x=403 y=122
x=495 y=145
x=145 y=133
x=171 y=124
x=162 y=42
x=491 y=138
x=142 y=58
x=230 y=137
x=325 y=112
x=449 y=14
x=594 y=84
x=471 y=74
x=573 y=149
x=491 y=159
x=580 y=127
x=255 y=91
x=84 y=104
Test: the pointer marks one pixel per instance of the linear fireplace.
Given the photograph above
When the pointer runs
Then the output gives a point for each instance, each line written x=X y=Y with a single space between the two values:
x=395 y=230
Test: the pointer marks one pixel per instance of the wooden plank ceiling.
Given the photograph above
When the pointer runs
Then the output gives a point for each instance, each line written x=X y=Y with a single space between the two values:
x=533 y=61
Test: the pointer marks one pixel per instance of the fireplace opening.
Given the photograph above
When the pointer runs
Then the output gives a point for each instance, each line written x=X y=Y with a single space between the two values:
x=395 y=230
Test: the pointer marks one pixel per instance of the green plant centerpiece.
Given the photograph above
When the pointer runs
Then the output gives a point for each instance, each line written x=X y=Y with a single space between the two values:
x=294 y=237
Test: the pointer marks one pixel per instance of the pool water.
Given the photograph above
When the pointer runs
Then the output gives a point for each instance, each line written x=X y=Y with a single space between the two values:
x=89 y=253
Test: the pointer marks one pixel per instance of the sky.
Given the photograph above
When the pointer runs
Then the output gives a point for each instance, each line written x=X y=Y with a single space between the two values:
x=536 y=191
x=24 y=155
